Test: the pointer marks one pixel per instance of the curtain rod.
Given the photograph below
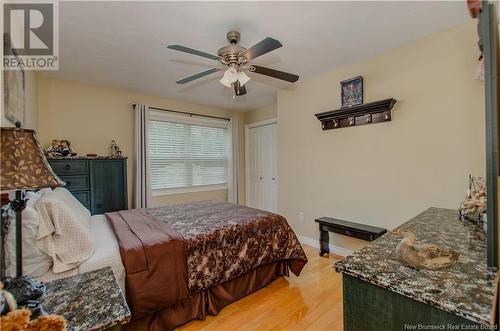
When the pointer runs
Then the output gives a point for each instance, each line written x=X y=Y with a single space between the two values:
x=186 y=113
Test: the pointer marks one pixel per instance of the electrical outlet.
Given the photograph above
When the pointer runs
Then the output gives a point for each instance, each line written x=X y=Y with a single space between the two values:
x=301 y=216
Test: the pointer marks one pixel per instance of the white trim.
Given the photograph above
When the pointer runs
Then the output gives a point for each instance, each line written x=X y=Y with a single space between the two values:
x=248 y=127
x=190 y=189
x=333 y=249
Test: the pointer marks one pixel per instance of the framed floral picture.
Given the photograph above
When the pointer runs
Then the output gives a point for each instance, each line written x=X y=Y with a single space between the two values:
x=352 y=92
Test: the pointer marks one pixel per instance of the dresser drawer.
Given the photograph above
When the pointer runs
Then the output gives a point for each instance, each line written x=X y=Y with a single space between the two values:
x=76 y=183
x=69 y=167
x=83 y=197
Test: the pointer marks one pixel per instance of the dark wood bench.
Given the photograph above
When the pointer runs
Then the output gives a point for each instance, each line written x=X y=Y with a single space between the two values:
x=351 y=229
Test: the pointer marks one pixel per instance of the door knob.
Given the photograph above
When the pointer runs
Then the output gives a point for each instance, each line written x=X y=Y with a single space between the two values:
x=260 y=178
x=274 y=178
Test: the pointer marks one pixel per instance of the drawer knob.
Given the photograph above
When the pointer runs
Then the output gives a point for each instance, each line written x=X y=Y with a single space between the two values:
x=67 y=167
x=99 y=205
x=68 y=183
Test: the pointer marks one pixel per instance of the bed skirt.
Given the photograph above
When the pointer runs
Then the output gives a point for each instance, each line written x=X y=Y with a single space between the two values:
x=212 y=300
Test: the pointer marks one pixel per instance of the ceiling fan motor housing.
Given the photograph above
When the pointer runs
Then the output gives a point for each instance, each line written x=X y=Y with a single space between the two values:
x=230 y=54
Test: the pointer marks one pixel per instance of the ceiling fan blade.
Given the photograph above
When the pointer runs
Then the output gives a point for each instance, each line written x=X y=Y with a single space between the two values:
x=238 y=89
x=274 y=73
x=265 y=46
x=192 y=51
x=196 y=76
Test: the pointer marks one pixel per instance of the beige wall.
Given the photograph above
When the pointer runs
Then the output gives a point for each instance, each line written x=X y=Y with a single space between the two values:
x=91 y=116
x=30 y=101
x=383 y=174
x=261 y=114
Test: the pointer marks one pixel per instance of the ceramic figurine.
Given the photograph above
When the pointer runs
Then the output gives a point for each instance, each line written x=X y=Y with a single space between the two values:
x=426 y=256
x=115 y=150
x=474 y=204
x=60 y=148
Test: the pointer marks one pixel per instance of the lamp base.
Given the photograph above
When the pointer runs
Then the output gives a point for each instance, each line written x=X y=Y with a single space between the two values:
x=28 y=293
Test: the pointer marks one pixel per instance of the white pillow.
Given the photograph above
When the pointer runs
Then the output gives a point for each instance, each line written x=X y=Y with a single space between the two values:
x=82 y=213
x=62 y=234
x=35 y=261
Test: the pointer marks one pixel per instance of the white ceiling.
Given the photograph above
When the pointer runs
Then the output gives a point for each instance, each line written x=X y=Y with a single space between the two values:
x=123 y=44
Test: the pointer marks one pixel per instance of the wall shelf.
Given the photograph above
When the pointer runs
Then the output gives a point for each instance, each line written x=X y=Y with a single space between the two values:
x=368 y=113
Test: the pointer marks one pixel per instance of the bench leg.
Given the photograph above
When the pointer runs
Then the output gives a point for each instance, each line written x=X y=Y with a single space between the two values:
x=324 y=241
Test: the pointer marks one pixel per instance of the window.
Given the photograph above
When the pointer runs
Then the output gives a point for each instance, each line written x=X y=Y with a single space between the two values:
x=187 y=153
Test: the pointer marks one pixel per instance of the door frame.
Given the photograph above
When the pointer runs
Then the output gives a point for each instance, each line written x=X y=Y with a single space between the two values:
x=247 y=152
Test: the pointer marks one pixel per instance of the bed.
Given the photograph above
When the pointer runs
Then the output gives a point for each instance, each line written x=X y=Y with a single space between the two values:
x=174 y=263
x=220 y=252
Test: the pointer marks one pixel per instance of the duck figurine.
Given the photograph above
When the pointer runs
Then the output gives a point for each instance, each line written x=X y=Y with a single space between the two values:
x=426 y=256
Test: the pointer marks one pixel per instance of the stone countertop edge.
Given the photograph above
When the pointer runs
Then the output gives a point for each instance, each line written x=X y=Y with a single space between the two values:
x=447 y=289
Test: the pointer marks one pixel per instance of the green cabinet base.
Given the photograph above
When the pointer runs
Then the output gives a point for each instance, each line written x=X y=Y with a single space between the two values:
x=368 y=307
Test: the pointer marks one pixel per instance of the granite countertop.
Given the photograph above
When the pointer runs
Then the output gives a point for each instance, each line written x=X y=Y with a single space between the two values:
x=89 y=301
x=465 y=289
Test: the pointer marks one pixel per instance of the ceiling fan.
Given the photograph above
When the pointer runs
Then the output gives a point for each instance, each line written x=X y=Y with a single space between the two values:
x=236 y=58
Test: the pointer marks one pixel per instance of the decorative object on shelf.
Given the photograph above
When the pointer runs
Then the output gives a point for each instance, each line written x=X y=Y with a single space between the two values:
x=373 y=112
x=351 y=91
x=23 y=166
x=473 y=208
x=60 y=148
x=115 y=150
x=13 y=89
x=425 y=256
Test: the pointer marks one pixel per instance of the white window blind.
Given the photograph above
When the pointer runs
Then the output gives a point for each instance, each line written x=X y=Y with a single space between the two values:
x=186 y=155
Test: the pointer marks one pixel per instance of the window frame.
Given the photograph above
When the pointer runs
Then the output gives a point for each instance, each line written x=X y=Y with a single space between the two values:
x=162 y=116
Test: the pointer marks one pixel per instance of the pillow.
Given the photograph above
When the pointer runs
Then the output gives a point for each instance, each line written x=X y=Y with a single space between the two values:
x=82 y=213
x=35 y=262
x=61 y=234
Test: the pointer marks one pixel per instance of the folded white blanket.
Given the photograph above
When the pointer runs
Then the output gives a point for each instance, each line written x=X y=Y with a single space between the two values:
x=61 y=235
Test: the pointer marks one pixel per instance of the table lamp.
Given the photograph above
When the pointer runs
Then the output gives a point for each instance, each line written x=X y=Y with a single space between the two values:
x=23 y=166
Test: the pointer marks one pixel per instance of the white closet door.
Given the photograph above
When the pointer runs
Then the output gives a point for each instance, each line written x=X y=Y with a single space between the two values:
x=273 y=169
x=263 y=178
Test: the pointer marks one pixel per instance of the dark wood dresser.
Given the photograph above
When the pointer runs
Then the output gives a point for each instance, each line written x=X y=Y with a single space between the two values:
x=100 y=184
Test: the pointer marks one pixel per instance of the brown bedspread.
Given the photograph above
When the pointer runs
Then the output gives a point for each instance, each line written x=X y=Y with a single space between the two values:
x=222 y=241
x=154 y=257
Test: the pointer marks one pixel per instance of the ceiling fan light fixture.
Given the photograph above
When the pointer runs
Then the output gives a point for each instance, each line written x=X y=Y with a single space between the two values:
x=230 y=76
x=243 y=78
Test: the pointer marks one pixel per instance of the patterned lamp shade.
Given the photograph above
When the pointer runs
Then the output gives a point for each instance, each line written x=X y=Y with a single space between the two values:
x=23 y=164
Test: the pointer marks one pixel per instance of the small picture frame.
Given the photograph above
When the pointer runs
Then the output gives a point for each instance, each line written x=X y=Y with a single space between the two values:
x=351 y=91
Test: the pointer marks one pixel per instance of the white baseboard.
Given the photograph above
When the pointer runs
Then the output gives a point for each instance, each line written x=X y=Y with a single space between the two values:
x=333 y=249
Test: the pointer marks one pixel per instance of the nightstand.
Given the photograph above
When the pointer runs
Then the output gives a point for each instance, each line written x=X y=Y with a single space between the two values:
x=88 y=301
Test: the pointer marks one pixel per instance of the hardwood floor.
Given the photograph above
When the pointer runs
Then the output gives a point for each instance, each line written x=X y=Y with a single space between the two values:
x=312 y=301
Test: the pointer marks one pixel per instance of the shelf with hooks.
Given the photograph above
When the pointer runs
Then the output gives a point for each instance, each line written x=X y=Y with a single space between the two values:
x=368 y=113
